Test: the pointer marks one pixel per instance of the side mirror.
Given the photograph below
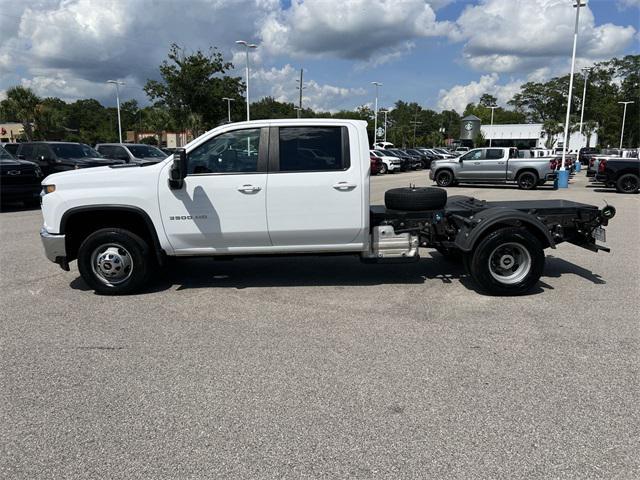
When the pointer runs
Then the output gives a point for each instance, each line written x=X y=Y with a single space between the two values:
x=178 y=170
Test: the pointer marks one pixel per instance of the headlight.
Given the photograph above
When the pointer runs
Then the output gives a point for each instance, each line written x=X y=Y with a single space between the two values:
x=48 y=189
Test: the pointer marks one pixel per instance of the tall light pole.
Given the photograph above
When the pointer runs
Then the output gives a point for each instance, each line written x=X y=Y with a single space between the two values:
x=298 y=110
x=117 y=83
x=584 y=96
x=229 y=100
x=385 y=112
x=248 y=46
x=624 y=116
x=300 y=87
x=375 y=118
x=492 y=107
x=563 y=178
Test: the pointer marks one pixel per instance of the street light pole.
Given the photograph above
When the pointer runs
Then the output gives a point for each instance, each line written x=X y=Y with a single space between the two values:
x=300 y=87
x=375 y=119
x=248 y=46
x=624 y=116
x=492 y=107
x=229 y=100
x=298 y=110
x=564 y=177
x=117 y=83
x=584 y=96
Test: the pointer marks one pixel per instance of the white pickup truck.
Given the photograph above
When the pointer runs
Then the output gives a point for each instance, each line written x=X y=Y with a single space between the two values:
x=290 y=187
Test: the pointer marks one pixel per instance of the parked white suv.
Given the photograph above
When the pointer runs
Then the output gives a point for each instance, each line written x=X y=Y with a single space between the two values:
x=389 y=163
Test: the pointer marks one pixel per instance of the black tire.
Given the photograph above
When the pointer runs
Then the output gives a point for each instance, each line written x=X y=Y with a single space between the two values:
x=486 y=267
x=383 y=169
x=415 y=199
x=444 y=178
x=627 y=183
x=129 y=249
x=527 y=180
x=450 y=254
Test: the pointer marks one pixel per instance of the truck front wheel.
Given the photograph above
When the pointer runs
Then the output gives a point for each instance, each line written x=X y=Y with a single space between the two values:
x=508 y=261
x=114 y=261
x=444 y=178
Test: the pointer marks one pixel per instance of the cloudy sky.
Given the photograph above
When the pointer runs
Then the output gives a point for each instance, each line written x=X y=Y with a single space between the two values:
x=440 y=53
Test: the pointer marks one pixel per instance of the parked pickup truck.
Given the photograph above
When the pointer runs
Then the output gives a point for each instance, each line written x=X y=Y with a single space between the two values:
x=251 y=188
x=621 y=173
x=493 y=165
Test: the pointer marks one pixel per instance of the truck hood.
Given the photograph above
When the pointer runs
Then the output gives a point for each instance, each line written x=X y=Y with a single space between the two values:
x=118 y=172
x=445 y=161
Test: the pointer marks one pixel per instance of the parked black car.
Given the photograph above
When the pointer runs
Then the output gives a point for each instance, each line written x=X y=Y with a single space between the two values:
x=12 y=148
x=585 y=154
x=408 y=161
x=425 y=157
x=19 y=180
x=54 y=157
x=621 y=173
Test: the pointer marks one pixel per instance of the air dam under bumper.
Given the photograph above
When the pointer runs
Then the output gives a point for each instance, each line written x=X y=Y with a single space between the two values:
x=54 y=248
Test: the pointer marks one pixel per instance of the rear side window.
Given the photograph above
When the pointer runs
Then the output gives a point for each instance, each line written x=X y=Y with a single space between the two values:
x=312 y=149
x=494 y=154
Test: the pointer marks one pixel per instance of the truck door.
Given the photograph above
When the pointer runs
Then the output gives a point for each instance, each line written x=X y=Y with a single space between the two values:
x=314 y=190
x=494 y=165
x=221 y=207
x=470 y=165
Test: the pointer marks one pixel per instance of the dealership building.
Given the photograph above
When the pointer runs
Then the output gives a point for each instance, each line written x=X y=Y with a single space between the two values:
x=520 y=135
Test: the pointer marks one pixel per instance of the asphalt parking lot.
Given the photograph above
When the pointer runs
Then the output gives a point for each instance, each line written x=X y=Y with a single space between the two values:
x=325 y=367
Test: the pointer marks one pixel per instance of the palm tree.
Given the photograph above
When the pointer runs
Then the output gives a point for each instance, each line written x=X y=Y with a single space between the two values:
x=589 y=128
x=22 y=104
x=551 y=129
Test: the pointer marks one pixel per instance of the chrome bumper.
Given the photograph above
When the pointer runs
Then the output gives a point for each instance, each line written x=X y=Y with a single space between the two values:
x=54 y=248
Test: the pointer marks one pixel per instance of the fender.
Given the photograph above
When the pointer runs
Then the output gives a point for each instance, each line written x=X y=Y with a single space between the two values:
x=118 y=208
x=474 y=227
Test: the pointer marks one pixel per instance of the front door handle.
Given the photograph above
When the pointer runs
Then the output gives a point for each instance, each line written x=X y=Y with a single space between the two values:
x=500 y=163
x=249 y=189
x=344 y=186
x=476 y=163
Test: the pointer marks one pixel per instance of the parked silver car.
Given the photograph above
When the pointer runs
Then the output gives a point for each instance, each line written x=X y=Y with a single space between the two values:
x=131 y=152
x=493 y=165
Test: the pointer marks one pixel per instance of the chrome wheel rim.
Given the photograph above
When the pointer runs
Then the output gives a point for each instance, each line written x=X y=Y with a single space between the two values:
x=112 y=264
x=510 y=263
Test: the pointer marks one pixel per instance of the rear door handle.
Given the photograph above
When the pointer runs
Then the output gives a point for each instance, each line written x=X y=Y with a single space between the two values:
x=344 y=186
x=249 y=189
x=476 y=163
x=500 y=163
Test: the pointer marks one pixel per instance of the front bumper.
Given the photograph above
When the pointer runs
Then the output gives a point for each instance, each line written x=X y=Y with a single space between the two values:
x=55 y=248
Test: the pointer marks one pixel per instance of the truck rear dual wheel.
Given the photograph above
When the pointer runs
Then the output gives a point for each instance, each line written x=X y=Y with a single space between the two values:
x=113 y=261
x=508 y=261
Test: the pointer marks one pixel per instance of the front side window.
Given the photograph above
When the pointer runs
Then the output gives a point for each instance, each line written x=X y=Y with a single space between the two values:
x=231 y=152
x=473 y=155
x=73 y=150
x=311 y=149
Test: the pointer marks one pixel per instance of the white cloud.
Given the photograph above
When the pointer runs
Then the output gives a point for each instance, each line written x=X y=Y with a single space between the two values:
x=358 y=29
x=518 y=36
x=459 y=96
x=280 y=83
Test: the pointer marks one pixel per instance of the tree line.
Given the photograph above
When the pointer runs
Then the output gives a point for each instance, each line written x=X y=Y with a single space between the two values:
x=188 y=97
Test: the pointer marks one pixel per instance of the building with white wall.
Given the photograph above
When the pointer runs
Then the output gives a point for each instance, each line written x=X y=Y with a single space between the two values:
x=530 y=135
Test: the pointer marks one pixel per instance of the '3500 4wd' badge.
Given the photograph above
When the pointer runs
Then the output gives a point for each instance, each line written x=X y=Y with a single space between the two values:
x=187 y=217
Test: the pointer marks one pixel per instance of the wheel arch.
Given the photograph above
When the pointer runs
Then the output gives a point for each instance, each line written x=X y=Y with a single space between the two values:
x=79 y=222
x=527 y=169
x=494 y=219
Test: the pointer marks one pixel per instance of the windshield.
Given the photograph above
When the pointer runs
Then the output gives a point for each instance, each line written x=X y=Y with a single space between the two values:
x=146 y=151
x=74 y=150
x=4 y=155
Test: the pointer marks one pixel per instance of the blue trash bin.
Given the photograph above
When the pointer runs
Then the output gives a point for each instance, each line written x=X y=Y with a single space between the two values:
x=563 y=178
x=578 y=166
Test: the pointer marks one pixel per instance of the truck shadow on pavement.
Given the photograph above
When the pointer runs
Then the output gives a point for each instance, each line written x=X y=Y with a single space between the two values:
x=340 y=271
